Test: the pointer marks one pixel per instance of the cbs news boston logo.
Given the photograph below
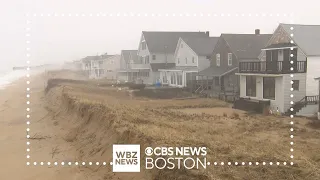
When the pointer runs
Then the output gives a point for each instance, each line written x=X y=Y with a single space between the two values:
x=126 y=157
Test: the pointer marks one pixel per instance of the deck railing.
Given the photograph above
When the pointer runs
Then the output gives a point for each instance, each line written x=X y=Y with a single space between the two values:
x=272 y=68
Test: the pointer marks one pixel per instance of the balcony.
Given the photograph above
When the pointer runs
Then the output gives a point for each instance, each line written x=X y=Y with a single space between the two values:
x=276 y=67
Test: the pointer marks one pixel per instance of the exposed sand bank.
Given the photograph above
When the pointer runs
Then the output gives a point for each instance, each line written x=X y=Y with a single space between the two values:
x=74 y=122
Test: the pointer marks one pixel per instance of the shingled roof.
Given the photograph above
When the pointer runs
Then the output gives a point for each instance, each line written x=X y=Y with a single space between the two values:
x=158 y=40
x=130 y=55
x=246 y=46
x=98 y=57
x=203 y=46
x=305 y=36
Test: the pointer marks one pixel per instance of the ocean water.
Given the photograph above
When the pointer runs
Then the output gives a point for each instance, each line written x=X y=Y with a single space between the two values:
x=7 y=77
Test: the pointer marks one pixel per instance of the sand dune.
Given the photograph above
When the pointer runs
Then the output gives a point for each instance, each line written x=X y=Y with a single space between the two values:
x=79 y=122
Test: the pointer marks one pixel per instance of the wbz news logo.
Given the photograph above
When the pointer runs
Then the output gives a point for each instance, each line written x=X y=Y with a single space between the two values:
x=126 y=158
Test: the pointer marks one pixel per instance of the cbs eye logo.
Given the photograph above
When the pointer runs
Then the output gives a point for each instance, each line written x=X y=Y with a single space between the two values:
x=148 y=151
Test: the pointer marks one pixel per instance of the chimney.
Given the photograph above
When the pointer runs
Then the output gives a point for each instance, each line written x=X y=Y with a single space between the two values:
x=257 y=31
x=207 y=33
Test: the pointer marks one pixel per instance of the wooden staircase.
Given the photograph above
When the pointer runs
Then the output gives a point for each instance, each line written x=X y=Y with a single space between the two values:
x=307 y=100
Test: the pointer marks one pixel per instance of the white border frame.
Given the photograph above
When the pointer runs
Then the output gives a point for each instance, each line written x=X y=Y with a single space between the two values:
x=28 y=31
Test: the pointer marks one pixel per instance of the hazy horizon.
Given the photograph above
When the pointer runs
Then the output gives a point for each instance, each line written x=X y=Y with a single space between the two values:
x=55 y=39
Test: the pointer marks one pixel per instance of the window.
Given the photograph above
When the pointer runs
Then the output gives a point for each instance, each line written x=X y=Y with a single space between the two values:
x=171 y=79
x=181 y=45
x=164 y=78
x=143 y=45
x=143 y=74
x=295 y=85
x=192 y=59
x=141 y=60
x=216 y=81
x=179 y=79
x=186 y=60
x=178 y=60
x=218 y=59
x=112 y=61
x=101 y=71
x=230 y=80
x=269 y=88
x=100 y=62
x=251 y=86
x=147 y=59
x=153 y=57
x=229 y=59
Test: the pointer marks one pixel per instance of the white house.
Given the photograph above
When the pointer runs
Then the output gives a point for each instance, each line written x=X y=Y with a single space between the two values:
x=111 y=66
x=191 y=56
x=86 y=64
x=104 y=66
x=284 y=75
x=156 y=51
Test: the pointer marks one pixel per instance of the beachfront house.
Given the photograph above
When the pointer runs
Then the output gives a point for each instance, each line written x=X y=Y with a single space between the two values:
x=104 y=66
x=86 y=64
x=156 y=51
x=126 y=73
x=283 y=78
x=191 y=56
x=111 y=66
x=219 y=80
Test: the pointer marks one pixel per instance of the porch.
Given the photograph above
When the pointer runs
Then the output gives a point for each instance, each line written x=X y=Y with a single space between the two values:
x=219 y=82
x=96 y=73
x=178 y=76
x=278 y=67
x=130 y=75
x=213 y=87
x=281 y=58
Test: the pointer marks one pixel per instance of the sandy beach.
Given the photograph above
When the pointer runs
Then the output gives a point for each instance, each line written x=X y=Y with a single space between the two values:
x=13 y=135
x=74 y=122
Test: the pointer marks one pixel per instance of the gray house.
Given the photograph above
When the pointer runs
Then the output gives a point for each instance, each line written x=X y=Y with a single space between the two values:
x=156 y=51
x=220 y=79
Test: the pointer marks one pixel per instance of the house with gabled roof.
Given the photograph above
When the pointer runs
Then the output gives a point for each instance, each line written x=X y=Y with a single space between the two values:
x=191 y=56
x=283 y=78
x=86 y=64
x=127 y=58
x=102 y=66
x=219 y=80
x=156 y=51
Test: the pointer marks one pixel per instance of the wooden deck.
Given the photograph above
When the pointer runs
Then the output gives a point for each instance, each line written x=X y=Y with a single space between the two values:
x=248 y=104
x=207 y=88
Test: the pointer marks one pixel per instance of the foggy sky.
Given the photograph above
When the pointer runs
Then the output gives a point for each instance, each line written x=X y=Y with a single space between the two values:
x=58 y=39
